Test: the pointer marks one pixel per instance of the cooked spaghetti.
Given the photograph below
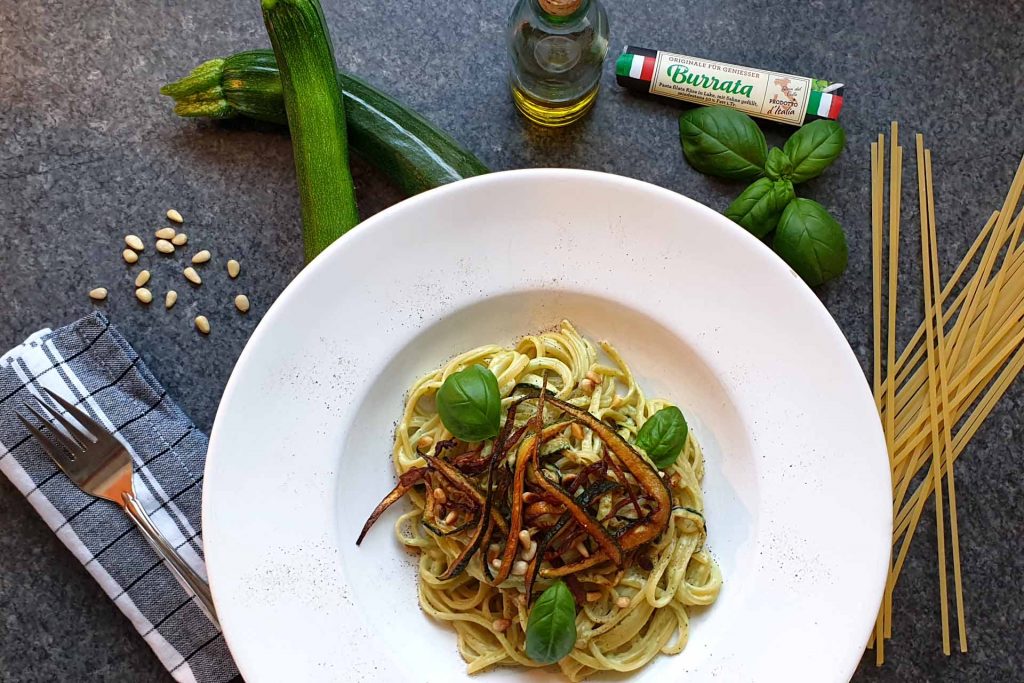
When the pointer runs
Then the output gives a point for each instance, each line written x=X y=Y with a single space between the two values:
x=561 y=493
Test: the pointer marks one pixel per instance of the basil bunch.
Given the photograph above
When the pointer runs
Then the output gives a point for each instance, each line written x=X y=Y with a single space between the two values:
x=726 y=143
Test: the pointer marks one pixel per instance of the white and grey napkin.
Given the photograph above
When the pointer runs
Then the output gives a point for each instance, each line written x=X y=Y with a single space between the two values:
x=91 y=364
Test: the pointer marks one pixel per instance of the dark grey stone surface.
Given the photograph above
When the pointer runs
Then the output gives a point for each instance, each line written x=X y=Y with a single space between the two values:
x=89 y=152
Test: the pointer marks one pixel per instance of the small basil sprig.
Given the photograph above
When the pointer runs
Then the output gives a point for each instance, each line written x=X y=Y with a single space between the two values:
x=551 y=629
x=726 y=143
x=759 y=207
x=723 y=142
x=813 y=148
x=811 y=241
x=469 y=404
x=663 y=436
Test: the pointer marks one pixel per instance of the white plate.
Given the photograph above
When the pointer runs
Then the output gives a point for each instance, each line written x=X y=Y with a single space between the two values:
x=797 y=485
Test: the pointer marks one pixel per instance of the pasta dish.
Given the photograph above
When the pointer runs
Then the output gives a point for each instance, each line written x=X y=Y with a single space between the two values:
x=557 y=510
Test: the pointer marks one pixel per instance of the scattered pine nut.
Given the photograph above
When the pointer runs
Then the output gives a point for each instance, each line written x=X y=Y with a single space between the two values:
x=577 y=431
x=530 y=552
x=622 y=603
x=440 y=496
x=170 y=299
x=135 y=242
x=233 y=269
x=593 y=596
x=142 y=278
x=242 y=304
x=130 y=256
x=164 y=233
x=202 y=324
x=582 y=549
x=192 y=276
x=201 y=257
x=174 y=216
x=143 y=295
x=586 y=386
x=519 y=568
x=425 y=442
x=98 y=294
x=496 y=563
x=164 y=247
x=594 y=377
x=179 y=240
x=500 y=625
x=451 y=517
x=524 y=537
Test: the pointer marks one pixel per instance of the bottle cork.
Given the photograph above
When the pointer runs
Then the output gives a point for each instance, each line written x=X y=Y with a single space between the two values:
x=560 y=8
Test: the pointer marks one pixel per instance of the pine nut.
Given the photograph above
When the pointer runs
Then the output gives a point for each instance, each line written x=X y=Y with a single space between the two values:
x=622 y=603
x=451 y=517
x=142 y=278
x=593 y=596
x=143 y=295
x=170 y=299
x=134 y=241
x=524 y=537
x=234 y=268
x=192 y=276
x=582 y=549
x=425 y=442
x=164 y=233
x=496 y=563
x=202 y=324
x=577 y=431
x=440 y=496
x=594 y=377
x=530 y=552
x=519 y=568
x=130 y=256
x=500 y=625
x=98 y=294
x=174 y=216
x=179 y=240
x=164 y=247
x=586 y=386
x=201 y=257
x=242 y=304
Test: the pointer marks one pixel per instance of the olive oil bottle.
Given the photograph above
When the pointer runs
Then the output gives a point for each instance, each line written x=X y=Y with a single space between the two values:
x=556 y=52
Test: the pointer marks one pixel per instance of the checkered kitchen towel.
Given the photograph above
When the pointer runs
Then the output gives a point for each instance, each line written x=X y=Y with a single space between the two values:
x=90 y=363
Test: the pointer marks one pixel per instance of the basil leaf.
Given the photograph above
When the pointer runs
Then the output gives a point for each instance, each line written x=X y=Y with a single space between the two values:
x=759 y=207
x=470 y=404
x=551 y=629
x=778 y=165
x=723 y=142
x=811 y=241
x=663 y=436
x=813 y=148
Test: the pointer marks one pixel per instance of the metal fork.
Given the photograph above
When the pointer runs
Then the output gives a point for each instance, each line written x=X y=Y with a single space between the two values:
x=101 y=466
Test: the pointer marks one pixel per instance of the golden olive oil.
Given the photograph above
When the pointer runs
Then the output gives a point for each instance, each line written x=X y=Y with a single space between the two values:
x=556 y=54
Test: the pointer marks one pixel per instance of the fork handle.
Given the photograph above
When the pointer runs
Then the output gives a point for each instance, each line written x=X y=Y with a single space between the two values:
x=178 y=566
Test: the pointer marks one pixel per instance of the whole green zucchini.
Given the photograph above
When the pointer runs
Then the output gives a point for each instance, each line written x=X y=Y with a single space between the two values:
x=414 y=154
x=316 y=119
